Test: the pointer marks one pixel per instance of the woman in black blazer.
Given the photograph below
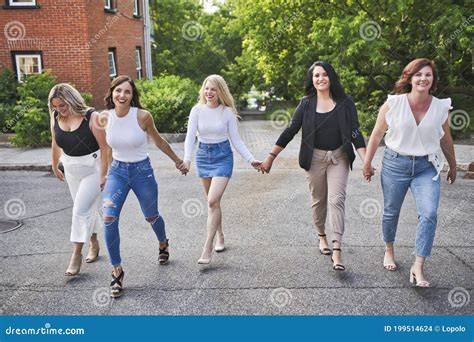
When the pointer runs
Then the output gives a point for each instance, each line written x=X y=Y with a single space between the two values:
x=328 y=118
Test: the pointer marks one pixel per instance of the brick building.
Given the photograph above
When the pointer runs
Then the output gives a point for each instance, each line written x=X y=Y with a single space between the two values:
x=83 y=42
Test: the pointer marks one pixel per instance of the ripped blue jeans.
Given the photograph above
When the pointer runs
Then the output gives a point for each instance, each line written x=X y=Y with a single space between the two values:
x=122 y=178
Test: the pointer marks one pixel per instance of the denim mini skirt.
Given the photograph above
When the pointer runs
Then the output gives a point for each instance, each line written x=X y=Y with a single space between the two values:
x=214 y=160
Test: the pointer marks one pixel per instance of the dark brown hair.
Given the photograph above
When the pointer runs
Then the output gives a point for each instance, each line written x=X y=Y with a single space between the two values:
x=403 y=85
x=109 y=103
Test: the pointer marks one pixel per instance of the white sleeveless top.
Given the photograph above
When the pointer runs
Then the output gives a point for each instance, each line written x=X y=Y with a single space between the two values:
x=127 y=139
x=404 y=136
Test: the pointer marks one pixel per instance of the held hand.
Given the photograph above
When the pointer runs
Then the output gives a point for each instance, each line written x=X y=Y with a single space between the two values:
x=451 y=177
x=184 y=167
x=102 y=181
x=368 y=171
x=266 y=166
x=58 y=173
x=256 y=164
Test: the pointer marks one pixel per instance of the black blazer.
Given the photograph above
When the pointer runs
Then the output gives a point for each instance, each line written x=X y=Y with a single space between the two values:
x=304 y=117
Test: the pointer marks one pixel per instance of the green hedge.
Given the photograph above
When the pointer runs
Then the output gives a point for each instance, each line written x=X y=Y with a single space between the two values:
x=8 y=97
x=169 y=99
x=29 y=117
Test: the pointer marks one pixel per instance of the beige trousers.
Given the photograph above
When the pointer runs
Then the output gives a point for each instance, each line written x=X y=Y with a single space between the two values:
x=327 y=183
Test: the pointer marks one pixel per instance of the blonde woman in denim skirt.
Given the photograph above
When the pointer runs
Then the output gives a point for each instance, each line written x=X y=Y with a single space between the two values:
x=214 y=120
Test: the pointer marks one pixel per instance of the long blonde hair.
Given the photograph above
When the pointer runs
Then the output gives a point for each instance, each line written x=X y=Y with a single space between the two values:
x=70 y=95
x=223 y=94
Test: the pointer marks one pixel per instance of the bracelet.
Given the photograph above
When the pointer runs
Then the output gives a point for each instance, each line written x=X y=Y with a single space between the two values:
x=273 y=155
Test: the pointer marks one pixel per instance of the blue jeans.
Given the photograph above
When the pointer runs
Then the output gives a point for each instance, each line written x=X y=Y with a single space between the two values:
x=398 y=174
x=122 y=177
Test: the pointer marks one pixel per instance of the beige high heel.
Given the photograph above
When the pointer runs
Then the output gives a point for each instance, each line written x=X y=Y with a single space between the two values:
x=74 y=265
x=93 y=253
x=219 y=243
x=421 y=283
x=389 y=265
x=326 y=250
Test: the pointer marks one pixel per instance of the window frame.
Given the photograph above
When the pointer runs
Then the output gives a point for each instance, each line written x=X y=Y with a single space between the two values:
x=138 y=68
x=136 y=9
x=112 y=52
x=16 y=55
x=109 y=6
x=31 y=4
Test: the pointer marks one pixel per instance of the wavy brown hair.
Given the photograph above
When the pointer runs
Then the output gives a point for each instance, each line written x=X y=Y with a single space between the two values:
x=403 y=85
x=109 y=103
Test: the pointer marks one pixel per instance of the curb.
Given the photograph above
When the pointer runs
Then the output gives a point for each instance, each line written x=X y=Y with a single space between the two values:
x=26 y=167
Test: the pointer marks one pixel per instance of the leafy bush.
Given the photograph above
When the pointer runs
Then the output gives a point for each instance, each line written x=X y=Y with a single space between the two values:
x=30 y=120
x=8 y=97
x=169 y=99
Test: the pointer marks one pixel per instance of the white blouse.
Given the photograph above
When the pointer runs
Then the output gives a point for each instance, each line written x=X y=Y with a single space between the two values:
x=213 y=125
x=404 y=136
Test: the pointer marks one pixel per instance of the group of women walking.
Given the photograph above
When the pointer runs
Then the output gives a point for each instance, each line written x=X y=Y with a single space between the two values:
x=106 y=153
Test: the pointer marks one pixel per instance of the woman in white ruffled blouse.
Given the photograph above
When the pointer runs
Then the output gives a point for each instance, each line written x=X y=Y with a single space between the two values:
x=417 y=129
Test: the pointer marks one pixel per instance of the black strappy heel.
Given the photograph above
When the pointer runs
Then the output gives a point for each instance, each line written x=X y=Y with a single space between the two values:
x=337 y=267
x=116 y=285
x=163 y=255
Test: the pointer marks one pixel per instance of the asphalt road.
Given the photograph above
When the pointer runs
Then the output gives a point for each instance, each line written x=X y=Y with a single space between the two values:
x=271 y=265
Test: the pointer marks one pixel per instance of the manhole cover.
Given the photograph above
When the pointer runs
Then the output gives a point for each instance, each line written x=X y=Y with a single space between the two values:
x=7 y=226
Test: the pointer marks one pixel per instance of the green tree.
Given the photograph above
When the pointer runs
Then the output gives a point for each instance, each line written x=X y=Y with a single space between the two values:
x=367 y=41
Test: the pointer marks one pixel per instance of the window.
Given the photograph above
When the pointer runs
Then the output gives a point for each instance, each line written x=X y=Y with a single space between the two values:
x=18 y=3
x=112 y=64
x=109 y=6
x=27 y=63
x=138 y=61
x=136 y=8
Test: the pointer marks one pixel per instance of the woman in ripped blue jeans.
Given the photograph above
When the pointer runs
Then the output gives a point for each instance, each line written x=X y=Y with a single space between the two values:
x=417 y=130
x=127 y=126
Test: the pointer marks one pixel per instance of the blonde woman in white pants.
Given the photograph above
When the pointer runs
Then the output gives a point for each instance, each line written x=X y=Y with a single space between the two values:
x=79 y=142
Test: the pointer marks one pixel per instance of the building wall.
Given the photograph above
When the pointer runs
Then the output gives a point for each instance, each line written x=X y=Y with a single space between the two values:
x=74 y=38
x=121 y=31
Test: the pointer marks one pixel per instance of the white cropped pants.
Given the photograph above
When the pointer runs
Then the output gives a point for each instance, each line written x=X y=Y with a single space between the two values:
x=82 y=177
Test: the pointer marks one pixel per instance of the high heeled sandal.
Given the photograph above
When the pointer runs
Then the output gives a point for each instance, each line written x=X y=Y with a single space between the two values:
x=116 y=288
x=164 y=254
x=388 y=265
x=421 y=283
x=219 y=247
x=337 y=267
x=93 y=253
x=74 y=266
x=326 y=250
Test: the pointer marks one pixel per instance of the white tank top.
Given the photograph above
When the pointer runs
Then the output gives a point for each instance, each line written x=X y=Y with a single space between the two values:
x=407 y=138
x=125 y=136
